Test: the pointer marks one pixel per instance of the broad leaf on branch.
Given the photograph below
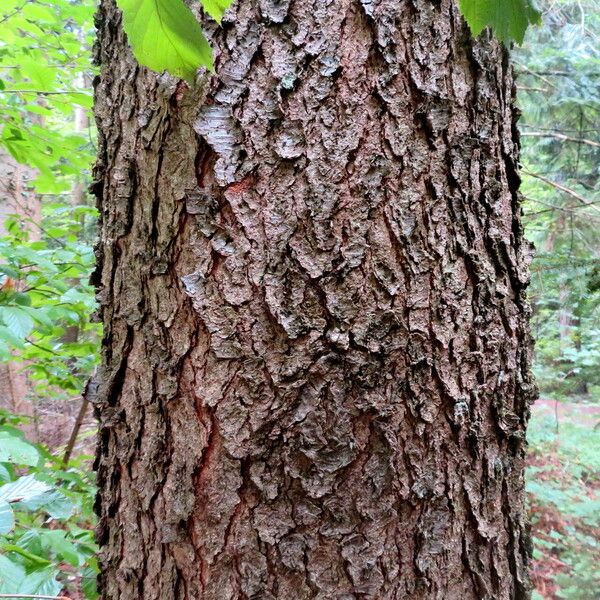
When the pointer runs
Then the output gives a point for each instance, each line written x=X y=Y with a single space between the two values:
x=17 y=320
x=508 y=19
x=7 y=518
x=216 y=8
x=165 y=36
x=14 y=579
x=14 y=449
x=24 y=489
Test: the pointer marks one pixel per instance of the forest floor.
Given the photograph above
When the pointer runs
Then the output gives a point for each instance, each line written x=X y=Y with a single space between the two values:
x=563 y=483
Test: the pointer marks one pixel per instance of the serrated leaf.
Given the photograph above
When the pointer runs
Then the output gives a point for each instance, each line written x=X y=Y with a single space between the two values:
x=56 y=504
x=22 y=299
x=4 y=474
x=11 y=575
x=31 y=541
x=17 y=320
x=16 y=450
x=42 y=583
x=64 y=548
x=165 y=36
x=216 y=8
x=7 y=336
x=23 y=489
x=40 y=74
x=34 y=559
x=7 y=518
x=10 y=271
x=40 y=315
x=88 y=583
x=15 y=580
x=508 y=19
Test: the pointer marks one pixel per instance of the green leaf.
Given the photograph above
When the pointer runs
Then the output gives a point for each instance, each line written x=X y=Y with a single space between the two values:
x=10 y=271
x=15 y=580
x=165 y=36
x=31 y=541
x=508 y=19
x=64 y=548
x=17 y=320
x=56 y=504
x=7 y=518
x=7 y=336
x=14 y=449
x=42 y=583
x=23 y=489
x=88 y=583
x=216 y=8
x=22 y=299
x=34 y=559
x=4 y=473
x=41 y=75
x=11 y=575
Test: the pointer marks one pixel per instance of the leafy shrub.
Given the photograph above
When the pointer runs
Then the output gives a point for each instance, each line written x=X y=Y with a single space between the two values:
x=46 y=514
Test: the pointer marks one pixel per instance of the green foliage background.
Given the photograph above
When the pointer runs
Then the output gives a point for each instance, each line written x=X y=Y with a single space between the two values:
x=560 y=98
x=46 y=517
x=559 y=95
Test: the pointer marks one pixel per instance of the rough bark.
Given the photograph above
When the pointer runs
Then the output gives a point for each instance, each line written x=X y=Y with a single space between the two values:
x=315 y=377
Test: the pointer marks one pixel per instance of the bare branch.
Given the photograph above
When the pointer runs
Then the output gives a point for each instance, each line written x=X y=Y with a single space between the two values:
x=540 y=77
x=525 y=88
x=564 y=189
x=560 y=136
x=75 y=432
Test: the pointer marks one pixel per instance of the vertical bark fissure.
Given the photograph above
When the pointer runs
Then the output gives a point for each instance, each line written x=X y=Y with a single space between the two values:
x=315 y=376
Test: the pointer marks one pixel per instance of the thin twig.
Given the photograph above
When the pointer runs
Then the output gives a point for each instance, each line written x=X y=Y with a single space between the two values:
x=40 y=227
x=551 y=207
x=76 y=427
x=540 y=77
x=582 y=22
x=552 y=73
x=525 y=88
x=557 y=129
x=564 y=189
x=560 y=136
x=6 y=17
x=40 y=348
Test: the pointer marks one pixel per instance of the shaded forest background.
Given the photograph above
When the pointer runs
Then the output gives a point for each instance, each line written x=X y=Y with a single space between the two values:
x=49 y=342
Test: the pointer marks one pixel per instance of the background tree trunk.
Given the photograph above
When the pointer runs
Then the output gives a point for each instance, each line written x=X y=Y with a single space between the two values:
x=18 y=198
x=315 y=377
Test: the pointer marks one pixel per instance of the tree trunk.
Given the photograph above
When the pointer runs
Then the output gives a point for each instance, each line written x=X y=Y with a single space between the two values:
x=315 y=377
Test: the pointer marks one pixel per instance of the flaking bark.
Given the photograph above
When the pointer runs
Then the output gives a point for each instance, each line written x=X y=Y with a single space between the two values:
x=316 y=362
